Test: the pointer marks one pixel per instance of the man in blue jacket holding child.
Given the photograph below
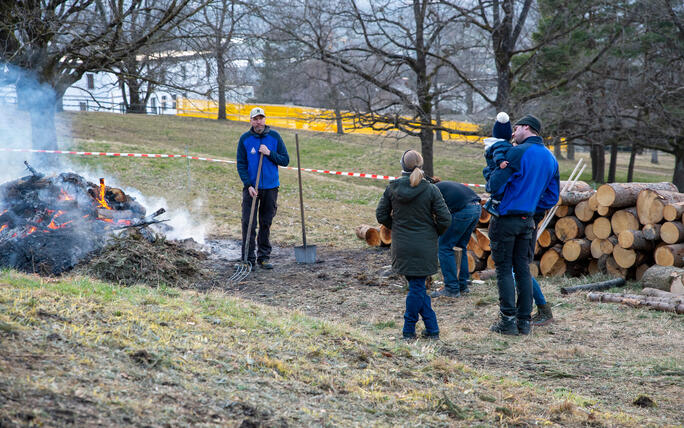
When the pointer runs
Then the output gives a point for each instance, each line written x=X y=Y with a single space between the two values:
x=529 y=182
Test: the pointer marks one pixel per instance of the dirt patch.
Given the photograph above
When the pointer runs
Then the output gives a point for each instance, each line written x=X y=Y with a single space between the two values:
x=592 y=353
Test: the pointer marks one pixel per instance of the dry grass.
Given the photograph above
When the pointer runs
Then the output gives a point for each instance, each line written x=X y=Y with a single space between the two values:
x=87 y=353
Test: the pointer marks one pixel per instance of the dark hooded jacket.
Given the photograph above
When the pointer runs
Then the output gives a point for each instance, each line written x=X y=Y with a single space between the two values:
x=417 y=216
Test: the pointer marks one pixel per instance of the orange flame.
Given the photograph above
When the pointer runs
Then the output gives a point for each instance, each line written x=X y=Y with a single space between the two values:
x=101 y=200
x=64 y=196
x=54 y=225
x=3 y=227
x=31 y=230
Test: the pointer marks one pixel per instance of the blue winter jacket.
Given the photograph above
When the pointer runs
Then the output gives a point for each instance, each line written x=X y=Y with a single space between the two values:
x=248 y=158
x=530 y=182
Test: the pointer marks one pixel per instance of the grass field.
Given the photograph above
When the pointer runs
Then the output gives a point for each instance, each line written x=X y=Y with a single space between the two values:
x=317 y=346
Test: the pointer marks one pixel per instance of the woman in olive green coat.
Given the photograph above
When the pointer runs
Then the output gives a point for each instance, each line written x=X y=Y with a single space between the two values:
x=416 y=212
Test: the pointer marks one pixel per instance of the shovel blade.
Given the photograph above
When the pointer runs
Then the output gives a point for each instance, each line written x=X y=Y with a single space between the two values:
x=305 y=254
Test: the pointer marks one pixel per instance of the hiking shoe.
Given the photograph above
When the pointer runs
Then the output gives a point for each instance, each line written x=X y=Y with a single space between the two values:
x=430 y=336
x=543 y=315
x=264 y=264
x=407 y=336
x=506 y=325
x=445 y=292
x=465 y=290
x=523 y=326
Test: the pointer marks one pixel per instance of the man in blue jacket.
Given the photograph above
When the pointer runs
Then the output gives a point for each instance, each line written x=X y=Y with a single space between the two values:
x=259 y=141
x=529 y=183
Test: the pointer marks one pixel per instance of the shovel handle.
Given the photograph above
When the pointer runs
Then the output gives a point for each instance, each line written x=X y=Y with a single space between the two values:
x=245 y=244
x=301 y=197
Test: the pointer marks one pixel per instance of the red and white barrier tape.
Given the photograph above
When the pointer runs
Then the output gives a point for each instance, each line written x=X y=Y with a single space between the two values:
x=157 y=155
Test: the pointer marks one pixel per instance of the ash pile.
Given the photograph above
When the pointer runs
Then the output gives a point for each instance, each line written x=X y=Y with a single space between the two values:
x=49 y=224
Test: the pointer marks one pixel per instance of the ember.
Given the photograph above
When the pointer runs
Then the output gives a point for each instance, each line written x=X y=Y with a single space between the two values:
x=49 y=224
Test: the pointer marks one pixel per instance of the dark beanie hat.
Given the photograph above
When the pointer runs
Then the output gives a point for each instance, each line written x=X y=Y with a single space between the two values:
x=530 y=121
x=502 y=127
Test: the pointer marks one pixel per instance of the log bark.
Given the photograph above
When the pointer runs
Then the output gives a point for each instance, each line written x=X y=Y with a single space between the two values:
x=636 y=300
x=635 y=240
x=600 y=247
x=575 y=197
x=673 y=212
x=474 y=262
x=482 y=236
x=385 y=235
x=569 y=227
x=670 y=255
x=552 y=262
x=661 y=277
x=651 y=231
x=602 y=228
x=576 y=249
x=626 y=257
x=621 y=195
x=651 y=203
x=654 y=292
x=580 y=186
x=583 y=212
x=596 y=286
x=370 y=234
x=672 y=232
x=626 y=219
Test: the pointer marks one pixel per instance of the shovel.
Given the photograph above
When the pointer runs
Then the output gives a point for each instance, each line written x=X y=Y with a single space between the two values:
x=303 y=254
x=245 y=267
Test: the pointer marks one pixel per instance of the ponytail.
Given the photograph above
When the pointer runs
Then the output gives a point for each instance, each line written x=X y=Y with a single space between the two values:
x=416 y=177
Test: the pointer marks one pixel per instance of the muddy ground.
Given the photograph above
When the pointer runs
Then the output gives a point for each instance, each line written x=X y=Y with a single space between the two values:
x=604 y=354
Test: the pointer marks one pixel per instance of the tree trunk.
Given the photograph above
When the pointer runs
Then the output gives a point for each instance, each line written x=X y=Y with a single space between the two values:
x=438 y=134
x=576 y=249
x=635 y=300
x=600 y=247
x=626 y=219
x=678 y=176
x=569 y=227
x=613 y=161
x=571 y=151
x=426 y=140
x=654 y=156
x=602 y=228
x=221 y=82
x=368 y=233
x=632 y=159
x=635 y=240
x=595 y=286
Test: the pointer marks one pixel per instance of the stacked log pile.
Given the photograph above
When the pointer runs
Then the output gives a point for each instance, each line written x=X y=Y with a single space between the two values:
x=621 y=229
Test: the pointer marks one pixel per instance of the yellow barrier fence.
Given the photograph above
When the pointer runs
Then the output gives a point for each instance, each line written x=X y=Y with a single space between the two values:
x=304 y=118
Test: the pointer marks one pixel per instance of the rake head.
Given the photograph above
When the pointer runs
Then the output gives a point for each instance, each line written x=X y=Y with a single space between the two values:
x=242 y=269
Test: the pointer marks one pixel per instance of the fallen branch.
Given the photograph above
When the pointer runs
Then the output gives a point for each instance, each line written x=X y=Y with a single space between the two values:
x=638 y=300
x=603 y=285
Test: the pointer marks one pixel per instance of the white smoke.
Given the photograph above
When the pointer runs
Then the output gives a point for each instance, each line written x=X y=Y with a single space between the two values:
x=16 y=132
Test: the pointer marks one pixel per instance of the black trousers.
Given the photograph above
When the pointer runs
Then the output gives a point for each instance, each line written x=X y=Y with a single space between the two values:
x=512 y=239
x=264 y=211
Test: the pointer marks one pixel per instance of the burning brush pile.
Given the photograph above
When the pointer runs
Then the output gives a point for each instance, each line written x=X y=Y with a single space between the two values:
x=49 y=224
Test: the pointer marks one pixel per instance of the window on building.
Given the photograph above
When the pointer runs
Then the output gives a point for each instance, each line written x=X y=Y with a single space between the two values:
x=154 y=105
x=83 y=106
x=91 y=80
x=163 y=104
x=173 y=98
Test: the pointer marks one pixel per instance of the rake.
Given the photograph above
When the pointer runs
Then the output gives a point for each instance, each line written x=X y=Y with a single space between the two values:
x=244 y=268
x=574 y=177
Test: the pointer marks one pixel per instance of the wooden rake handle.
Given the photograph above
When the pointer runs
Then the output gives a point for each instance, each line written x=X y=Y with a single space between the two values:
x=245 y=244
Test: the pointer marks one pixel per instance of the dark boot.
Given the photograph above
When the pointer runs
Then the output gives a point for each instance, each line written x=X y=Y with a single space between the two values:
x=506 y=325
x=543 y=315
x=524 y=327
x=445 y=292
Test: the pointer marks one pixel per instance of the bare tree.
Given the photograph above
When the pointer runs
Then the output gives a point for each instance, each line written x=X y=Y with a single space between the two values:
x=56 y=42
